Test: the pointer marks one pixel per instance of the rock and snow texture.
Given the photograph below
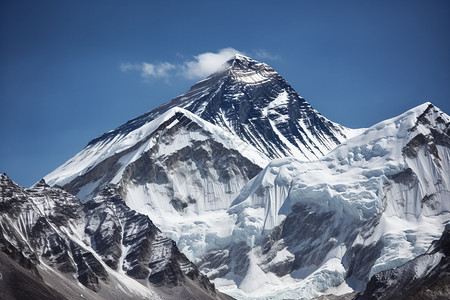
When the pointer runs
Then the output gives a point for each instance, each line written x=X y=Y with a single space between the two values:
x=374 y=203
x=102 y=244
x=177 y=135
x=425 y=277
x=178 y=169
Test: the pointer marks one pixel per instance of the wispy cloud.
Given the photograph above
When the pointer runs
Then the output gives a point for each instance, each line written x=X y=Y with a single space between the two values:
x=198 y=67
x=160 y=70
x=129 y=67
x=264 y=54
x=207 y=63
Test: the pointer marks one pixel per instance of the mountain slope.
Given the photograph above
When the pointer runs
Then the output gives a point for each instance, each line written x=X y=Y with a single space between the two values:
x=245 y=98
x=252 y=101
x=375 y=202
x=175 y=135
x=101 y=244
x=425 y=277
x=178 y=169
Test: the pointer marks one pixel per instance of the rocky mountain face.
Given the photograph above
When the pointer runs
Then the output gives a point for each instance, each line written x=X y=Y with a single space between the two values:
x=246 y=102
x=102 y=244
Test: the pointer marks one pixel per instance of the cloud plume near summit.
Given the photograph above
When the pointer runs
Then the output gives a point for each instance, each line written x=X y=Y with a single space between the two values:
x=198 y=67
x=207 y=63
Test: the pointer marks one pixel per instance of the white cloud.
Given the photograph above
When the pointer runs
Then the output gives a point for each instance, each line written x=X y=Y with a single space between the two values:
x=160 y=70
x=264 y=54
x=129 y=67
x=207 y=63
x=201 y=66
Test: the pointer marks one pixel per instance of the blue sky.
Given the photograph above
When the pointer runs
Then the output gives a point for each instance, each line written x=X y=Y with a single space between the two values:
x=71 y=70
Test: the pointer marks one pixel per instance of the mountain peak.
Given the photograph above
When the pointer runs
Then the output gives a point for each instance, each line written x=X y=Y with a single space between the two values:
x=247 y=70
x=251 y=100
x=239 y=58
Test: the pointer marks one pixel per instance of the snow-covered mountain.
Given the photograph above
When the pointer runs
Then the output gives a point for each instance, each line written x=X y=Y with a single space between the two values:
x=238 y=172
x=112 y=251
x=251 y=106
x=186 y=161
x=373 y=203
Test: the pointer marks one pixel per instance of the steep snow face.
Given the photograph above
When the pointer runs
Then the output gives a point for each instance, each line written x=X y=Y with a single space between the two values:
x=253 y=102
x=395 y=151
x=373 y=203
x=168 y=140
x=178 y=169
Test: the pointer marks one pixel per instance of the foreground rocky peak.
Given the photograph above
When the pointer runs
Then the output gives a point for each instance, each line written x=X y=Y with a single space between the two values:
x=101 y=244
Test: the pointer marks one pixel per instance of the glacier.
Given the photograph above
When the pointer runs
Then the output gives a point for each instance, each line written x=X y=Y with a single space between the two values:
x=382 y=197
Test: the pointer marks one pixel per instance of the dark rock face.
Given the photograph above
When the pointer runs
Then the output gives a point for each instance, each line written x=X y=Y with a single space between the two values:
x=425 y=277
x=40 y=214
x=150 y=254
x=309 y=233
x=17 y=256
x=90 y=271
x=406 y=177
x=122 y=238
x=234 y=259
x=19 y=278
x=430 y=141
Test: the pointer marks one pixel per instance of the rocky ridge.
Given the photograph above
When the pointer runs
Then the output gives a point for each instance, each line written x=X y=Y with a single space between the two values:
x=102 y=244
